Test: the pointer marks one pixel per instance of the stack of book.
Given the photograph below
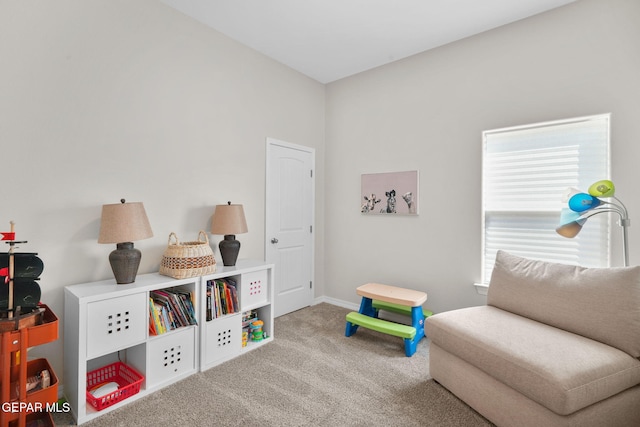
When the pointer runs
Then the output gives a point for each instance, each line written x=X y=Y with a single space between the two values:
x=222 y=298
x=170 y=309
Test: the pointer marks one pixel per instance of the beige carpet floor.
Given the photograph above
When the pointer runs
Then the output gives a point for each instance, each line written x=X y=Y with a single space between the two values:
x=310 y=375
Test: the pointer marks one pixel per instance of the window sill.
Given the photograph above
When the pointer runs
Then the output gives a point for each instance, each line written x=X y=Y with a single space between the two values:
x=481 y=288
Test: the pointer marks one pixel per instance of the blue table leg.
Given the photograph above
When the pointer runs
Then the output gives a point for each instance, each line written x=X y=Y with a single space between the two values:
x=417 y=321
x=351 y=329
x=410 y=346
x=366 y=308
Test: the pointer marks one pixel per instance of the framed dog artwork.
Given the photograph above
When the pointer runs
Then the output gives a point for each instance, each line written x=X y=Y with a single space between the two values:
x=389 y=193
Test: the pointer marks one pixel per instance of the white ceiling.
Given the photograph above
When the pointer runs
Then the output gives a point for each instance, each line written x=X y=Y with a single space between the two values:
x=331 y=39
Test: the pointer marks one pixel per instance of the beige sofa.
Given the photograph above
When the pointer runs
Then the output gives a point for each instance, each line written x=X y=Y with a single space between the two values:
x=556 y=345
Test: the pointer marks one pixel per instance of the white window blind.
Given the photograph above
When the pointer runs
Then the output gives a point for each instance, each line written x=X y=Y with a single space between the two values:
x=526 y=169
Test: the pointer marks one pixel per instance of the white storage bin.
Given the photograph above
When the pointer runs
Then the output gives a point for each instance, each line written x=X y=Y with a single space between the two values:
x=224 y=338
x=170 y=356
x=116 y=323
x=255 y=289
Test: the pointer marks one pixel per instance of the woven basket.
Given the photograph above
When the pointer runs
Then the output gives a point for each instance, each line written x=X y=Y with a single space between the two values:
x=188 y=259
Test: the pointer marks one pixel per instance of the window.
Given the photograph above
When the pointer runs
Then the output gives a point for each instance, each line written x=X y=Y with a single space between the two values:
x=526 y=170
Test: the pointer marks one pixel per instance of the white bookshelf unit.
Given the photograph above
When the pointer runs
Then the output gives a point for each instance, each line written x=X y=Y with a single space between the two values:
x=105 y=323
x=221 y=338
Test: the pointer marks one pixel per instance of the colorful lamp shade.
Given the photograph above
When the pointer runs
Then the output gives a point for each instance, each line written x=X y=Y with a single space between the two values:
x=582 y=206
x=571 y=223
x=229 y=220
x=583 y=202
x=123 y=223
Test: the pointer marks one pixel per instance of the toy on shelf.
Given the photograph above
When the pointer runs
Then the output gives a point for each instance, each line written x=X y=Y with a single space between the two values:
x=19 y=290
x=256 y=330
x=29 y=387
x=252 y=328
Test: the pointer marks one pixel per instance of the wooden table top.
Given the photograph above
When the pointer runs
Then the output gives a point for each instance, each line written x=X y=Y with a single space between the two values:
x=392 y=294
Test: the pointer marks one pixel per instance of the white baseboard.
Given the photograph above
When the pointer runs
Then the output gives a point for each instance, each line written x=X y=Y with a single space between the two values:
x=338 y=302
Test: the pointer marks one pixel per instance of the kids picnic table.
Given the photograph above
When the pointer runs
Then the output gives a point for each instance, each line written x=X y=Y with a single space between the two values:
x=376 y=297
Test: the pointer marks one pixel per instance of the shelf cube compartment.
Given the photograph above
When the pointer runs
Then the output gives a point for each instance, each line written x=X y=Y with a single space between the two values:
x=263 y=314
x=127 y=378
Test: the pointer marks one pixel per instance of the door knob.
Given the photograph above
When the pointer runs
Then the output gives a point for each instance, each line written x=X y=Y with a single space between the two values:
x=274 y=240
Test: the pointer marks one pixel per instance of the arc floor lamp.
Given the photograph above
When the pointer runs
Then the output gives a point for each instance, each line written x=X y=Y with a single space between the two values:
x=582 y=206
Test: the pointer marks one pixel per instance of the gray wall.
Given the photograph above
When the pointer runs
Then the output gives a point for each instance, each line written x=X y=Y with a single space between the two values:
x=428 y=112
x=108 y=99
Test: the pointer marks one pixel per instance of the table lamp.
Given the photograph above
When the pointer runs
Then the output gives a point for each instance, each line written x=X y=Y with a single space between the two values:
x=228 y=220
x=582 y=206
x=122 y=223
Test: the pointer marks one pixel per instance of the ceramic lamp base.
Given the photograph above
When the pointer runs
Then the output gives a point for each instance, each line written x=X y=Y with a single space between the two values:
x=125 y=261
x=229 y=249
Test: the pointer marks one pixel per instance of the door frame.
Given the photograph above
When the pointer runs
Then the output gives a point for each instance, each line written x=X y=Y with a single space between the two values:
x=269 y=143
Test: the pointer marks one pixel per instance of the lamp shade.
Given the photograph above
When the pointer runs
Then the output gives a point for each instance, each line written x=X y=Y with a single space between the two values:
x=228 y=219
x=583 y=202
x=124 y=222
x=603 y=188
x=571 y=229
x=569 y=193
x=571 y=223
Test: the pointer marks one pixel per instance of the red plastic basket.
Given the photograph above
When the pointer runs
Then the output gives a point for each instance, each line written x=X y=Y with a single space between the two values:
x=128 y=380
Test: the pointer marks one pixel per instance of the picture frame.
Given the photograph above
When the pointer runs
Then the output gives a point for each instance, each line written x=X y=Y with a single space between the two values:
x=389 y=193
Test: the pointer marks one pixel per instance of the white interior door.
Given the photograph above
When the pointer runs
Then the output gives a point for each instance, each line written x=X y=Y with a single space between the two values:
x=289 y=223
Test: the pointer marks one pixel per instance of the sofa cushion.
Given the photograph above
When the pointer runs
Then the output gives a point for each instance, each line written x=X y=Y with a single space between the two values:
x=562 y=371
x=598 y=303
